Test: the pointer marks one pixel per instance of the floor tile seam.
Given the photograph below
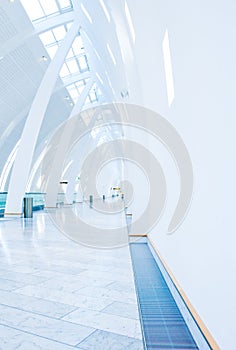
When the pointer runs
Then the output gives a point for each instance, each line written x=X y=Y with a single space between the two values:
x=128 y=318
x=41 y=284
x=66 y=304
x=134 y=302
x=12 y=290
x=8 y=280
x=53 y=301
x=38 y=313
x=132 y=296
x=74 y=293
x=107 y=285
x=83 y=309
x=53 y=271
x=27 y=284
x=103 y=330
x=113 y=333
x=137 y=320
x=70 y=274
x=95 y=330
x=38 y=336
x=54 y=318
x=68 y=313
x=110 y=313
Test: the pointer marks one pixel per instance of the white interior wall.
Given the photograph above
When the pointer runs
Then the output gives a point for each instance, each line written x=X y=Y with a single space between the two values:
x=201 y=253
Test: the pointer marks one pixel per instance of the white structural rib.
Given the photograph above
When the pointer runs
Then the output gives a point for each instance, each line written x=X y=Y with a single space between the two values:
x=33 y=124
x=57 y=164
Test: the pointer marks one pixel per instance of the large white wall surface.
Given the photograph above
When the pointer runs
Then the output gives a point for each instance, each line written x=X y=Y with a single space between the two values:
x=201 y=253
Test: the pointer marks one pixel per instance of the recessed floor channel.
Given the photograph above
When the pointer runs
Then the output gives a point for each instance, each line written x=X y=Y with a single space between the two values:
x=163 y=324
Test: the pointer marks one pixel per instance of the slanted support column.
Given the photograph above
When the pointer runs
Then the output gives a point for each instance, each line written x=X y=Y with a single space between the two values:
x=81 y=99
x=63 y=147
x=22 y=165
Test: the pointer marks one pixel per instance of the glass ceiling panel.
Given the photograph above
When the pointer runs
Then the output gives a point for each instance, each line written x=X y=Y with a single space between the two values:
x=49 y=6
x=47 y=38
x=73 y=93
x=76 y=60
x=75 y=89
x=39 y=10
x=80 y=83
x=52 y=51
x=68 y=25
x=59 y=32
x=52 y=38
x=73 y=66
x=80 y=89
x=70 y=54
x=83 y=63
x=64 y=71
x=76 y=63
x=93 y=95
x=64 y=4
x=78 y=46
x=33 y=9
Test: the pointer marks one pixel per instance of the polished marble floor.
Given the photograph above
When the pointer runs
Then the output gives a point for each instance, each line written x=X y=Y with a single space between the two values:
x=58 y=295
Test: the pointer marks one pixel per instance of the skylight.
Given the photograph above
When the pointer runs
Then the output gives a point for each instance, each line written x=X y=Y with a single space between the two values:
x=74 y=65
x=48 y=38
x=59 y=32
x=64 y=71
x=78 y=46
x=52 y=39
x=76 y=89
x=76 y=61
x=49 y=6
x=93 y=95
x=39 y=10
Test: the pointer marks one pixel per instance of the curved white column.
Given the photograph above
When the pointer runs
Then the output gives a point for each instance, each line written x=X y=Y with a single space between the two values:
x=63 y=146
x=81 y=99
x=32 y=126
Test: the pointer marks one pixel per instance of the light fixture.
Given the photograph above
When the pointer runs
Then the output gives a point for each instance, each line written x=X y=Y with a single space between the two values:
x=67 y=98
x=44 y=58
x=124 y=93
x=1 y=58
